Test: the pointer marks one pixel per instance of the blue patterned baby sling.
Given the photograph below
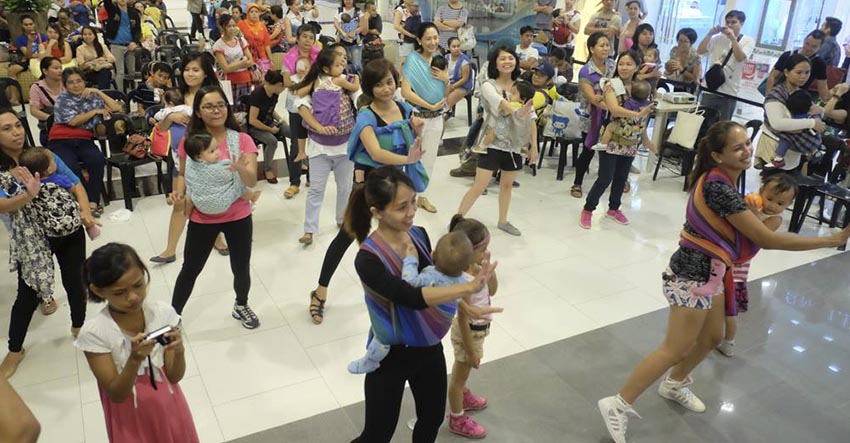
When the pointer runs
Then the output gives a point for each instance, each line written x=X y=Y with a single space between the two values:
x=213 y=187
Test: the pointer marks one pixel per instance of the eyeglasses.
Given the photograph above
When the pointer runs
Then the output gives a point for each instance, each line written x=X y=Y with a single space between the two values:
x=219 y=107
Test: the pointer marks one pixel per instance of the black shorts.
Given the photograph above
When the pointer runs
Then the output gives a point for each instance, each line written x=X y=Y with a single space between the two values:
x=495 y=160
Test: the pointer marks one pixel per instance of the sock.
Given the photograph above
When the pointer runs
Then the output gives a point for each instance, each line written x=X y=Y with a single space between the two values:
x=456 y=415
x=731 y=342
x=622 y=402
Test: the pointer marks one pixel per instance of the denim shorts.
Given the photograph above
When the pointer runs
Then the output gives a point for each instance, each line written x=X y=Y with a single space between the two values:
x=679 y=292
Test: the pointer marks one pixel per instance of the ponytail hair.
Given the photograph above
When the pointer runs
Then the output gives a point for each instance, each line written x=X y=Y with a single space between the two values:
x=714 y=141
x=474 y=229
x=378 y=192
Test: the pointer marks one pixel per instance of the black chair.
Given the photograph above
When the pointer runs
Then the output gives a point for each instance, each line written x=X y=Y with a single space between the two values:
x=687 y=155
x=564 y=144
x=808 y=187
x=118 y=129
x=5 y=84
x=120 y=97
x=168 y=23
x=134 y=61
x=166 y=53
x=755 y=126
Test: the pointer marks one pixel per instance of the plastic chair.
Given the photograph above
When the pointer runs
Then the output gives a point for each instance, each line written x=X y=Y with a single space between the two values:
x=118 y=129
x=139 y=58
x=473 y=71
x=5 y=84
x=244 y=102
x=120 y=97
x=688 y=155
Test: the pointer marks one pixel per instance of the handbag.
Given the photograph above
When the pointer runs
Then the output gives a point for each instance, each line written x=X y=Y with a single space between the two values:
x=137 y=146
x=160 y=142
x=687 y=128
x=466 y=35
x=715 y=77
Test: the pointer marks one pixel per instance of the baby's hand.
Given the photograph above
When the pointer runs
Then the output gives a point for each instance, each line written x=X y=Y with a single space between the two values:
x=411 y=250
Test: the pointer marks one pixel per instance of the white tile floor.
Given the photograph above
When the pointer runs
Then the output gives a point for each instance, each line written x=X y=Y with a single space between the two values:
x=557 y=280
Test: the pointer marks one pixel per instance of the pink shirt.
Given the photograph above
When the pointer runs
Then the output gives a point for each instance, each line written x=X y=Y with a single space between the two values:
x=241 y=208
x=38 y=99
x=480 y=299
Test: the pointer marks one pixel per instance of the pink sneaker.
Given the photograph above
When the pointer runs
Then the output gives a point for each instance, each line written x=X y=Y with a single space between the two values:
x=466 y=426
x=472 y=402
x=618 y=216
x=585 y=219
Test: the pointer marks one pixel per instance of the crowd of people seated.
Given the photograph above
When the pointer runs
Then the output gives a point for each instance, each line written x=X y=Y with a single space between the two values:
x=377 y=127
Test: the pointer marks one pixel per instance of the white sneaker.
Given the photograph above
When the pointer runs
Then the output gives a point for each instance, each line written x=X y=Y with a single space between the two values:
x=615 y=412
x=679 y=392
x=727 y=348
x=599 y=147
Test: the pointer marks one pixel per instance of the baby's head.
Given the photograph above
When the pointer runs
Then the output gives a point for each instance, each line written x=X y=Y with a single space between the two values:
x=202 y=147
x=38 y=160
x=475 y=231
x=522 y=92
x=439 y=62
x=302 y=66
x=651 y=55
x=453 y=253
x=777 y=193
x=799 y=102
x=173 y=97
x=641 y=90
x=346 y=18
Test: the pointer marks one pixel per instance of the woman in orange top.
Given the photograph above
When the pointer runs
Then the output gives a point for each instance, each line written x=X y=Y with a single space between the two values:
x=254 y=30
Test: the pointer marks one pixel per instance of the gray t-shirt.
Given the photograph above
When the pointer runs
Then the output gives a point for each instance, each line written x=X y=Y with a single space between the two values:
x=544 y=20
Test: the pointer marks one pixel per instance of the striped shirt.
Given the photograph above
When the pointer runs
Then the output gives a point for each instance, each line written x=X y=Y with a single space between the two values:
x=446 y=13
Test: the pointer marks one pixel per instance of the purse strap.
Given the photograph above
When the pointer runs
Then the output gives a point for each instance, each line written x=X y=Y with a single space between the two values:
x=731 y=50
x=46 y=95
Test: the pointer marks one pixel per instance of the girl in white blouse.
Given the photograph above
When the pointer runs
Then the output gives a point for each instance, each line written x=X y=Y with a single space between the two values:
x=137 y=374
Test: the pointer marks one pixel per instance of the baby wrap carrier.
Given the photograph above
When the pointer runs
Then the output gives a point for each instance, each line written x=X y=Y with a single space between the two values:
x=53 y=213
x=213 y=187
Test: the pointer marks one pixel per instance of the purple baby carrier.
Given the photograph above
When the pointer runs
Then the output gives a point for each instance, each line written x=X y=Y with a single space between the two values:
x=333 y=109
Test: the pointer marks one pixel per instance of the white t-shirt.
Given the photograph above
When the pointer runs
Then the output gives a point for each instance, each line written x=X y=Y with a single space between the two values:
x=231 y=53
x=101 y=335
x=527 y=53
x=719 y=47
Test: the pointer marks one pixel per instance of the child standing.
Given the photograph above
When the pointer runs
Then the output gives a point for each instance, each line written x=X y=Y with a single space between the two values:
x=137 y=374
x=777 y=192
x=468 y=335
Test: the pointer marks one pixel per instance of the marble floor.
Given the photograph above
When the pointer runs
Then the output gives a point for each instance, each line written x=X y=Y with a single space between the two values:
x=557 y=281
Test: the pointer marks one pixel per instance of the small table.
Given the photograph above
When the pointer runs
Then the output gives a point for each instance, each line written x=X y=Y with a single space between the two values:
x=661 y=112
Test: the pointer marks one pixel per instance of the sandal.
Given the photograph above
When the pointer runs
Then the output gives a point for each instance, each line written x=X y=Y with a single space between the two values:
x=575 y=191
x=290 y=191
x=48 y=306
x=627 y=188
x=317 y=311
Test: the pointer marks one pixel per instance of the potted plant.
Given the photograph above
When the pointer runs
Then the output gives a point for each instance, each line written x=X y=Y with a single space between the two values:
x=14 y=9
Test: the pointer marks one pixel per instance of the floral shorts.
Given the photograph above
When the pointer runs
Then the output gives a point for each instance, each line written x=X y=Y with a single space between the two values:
x=679 y=292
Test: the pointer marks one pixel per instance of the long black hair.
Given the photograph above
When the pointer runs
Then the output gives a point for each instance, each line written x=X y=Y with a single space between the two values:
x=634 y=55
x=45 y=65
x=378 y=192
x=98 y=48
x=425 y=26
x=638 y=31
x=207 y=65
x=325 y=60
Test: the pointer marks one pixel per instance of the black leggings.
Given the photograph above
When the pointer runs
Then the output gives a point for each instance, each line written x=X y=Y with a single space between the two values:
x=71 y=253
x=425 y=370
x=583 y=162
x=197 y=25
x=336 y=250
x=200 y=239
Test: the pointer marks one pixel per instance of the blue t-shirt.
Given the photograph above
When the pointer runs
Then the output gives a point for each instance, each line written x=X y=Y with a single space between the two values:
x=61 y=169
x=21 y=42
x=124 y=36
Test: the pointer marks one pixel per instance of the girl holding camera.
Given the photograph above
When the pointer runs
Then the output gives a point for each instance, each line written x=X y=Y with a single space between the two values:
x=135 y=351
